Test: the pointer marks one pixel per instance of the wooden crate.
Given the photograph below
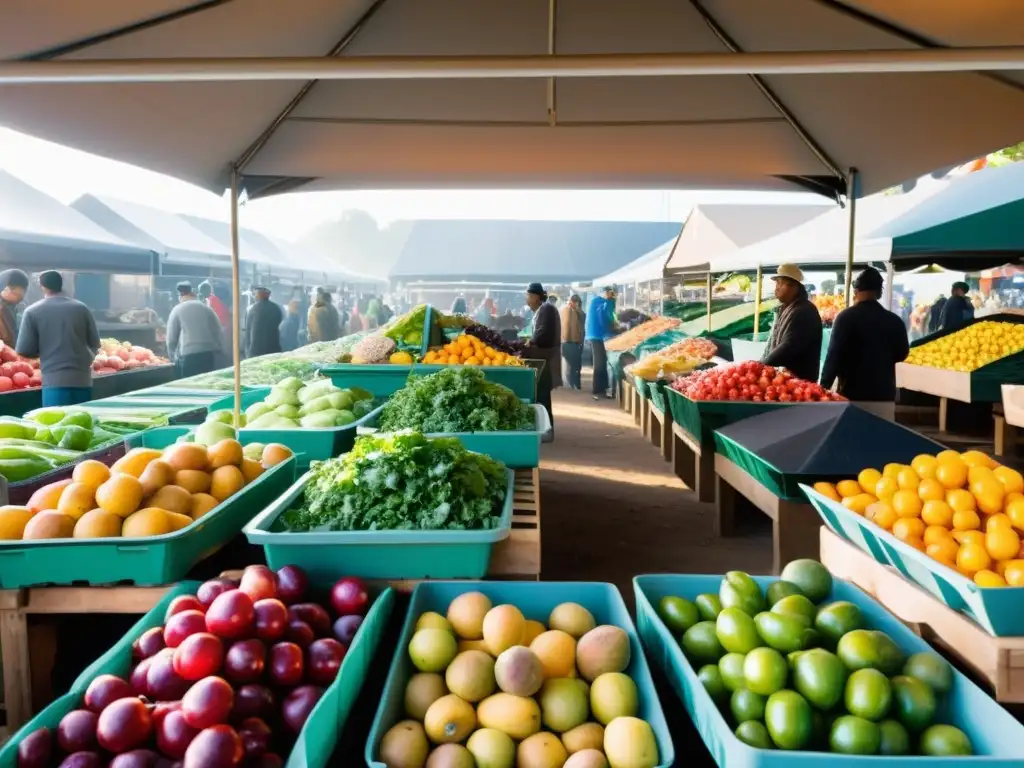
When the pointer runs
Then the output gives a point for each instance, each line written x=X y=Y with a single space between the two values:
x=693 y=464
x=998 y=661
x=660 y=431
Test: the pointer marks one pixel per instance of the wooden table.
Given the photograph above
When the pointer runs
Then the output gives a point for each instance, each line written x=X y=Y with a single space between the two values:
x=998 y=661
x=659 y=431
x=693 y=464
x=794 y=524
x=626 y=395
x=27 y=652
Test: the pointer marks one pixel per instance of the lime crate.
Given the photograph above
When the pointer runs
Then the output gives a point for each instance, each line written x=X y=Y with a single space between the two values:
x=996 y=736
x=998 y=610
x=536 y=601
x=315 y=744
x=146 y=561
x=386 y=379
x=377 y=554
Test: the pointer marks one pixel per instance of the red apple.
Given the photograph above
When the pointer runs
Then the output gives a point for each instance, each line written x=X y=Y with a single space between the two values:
x=349 y=596
x=137 y=758
x=199 y=656
x=181 y=625
x=314 y=615
x=298 y=704
x=82 y=760
x=148 y=643
x=253 y=701
x=138 y=679
x=173 y=735
x=300 y=633
x=271 y=619
x=345 y=628
x=124 y=725
x=35 y=749
x=231 y=615
x=244 y=661
x=184 y=603
x=255 y=737
x=323 y=660
x=292 y=584
x=216 y=747
x=77 y=730
x=285 y=664
x=208 y=702
x=162 y=681
x=105 y=689
x=259 y=583
x=209 y=590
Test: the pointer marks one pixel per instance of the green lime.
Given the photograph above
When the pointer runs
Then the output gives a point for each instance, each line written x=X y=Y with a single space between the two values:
x=711 y=679
x=868 y=694
x=895 y=739
x=790 y=722
x=678 y=614
x=736 y=631
x=819 y=677
x=780 y=589
x=915 y=702
x=797 y=606
x=781 y=631
x=890 y=658
x=857 y=650
x=791 y=659
x=945 y=741
x=709 y=606
x=701 y=644
x=930 y=668
x=747 y=705
x=811 y=576
x=836 y=619
x=852 y=735
x=765 y=671
x=754 y=734
x=731 y=667
x=739 y=590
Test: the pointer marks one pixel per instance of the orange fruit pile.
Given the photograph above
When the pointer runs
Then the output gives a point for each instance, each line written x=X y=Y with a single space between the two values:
x=964 y=510
x=469 y=350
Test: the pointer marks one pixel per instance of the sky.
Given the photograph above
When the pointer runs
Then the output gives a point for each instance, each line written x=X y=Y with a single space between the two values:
x=66 y=174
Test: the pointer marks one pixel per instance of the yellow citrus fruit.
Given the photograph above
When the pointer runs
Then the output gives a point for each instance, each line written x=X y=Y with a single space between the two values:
x=977 y=458
x=977 y=472
x=848 y=488
x=988 y=578
x=945 y=551
x=1012 y=480
x=925 y=466
x=908 y=479
x=962 y=537
x=948 y=455
x=916 y=543
x=967 y=520
x=892 y=470
x=961 y=500
x=997 y=521
x=931 y=490
x=882 y=515
x=1015 y=511
x=937 y=512
x=868 y=479
x=859 y=503
x=935 y=533
x=988 y=493
x=828 y=490
x=1002 y=543
x=952 y=473
x=906 y=504
x=908 y=528
x=1013 y=572
x=972 y=558
x=886 y=487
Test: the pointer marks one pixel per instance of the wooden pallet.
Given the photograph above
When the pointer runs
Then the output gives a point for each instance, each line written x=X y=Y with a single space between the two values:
x=998 y=661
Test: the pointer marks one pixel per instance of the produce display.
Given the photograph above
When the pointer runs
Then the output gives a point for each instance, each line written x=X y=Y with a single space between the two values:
x=828 y=307
x=116 y=356
x=494 y=340
x=447 y=321
x=407 y=331
x=495 y=688
x=674 y=360
x=751 y=381
x=443 y=487
x=258 y=372
x=17 y=372
x=968 y=349
x=467 y=349
x=373 y=349
x=792 y=671
x=228 y=680
x=455 y=400
x=964 y=510
x=294 y=404
x=145 y=493
x=641 y=333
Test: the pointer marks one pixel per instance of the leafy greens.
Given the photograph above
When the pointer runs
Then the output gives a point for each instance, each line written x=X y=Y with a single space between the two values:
x=402 y=481
x=457 y=399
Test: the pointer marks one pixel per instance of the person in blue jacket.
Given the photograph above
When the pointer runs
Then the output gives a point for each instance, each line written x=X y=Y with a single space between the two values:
x=600 y=322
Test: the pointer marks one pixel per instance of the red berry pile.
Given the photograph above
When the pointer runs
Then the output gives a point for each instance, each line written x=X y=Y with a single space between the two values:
x=753 y=382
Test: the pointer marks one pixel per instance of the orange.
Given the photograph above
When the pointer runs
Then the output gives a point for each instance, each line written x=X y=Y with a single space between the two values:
x=201 y=504
x=76 y=500
x=91 y=472
x=120 y=495
x=944 y=551
x=868 y=479
x=882 y=515
x=171 y=498
x=1015 y=511
x=1013 y=572
x=931 y=490
x=1012 y=496
x=975 y=537
x=925 y=466
x=947 y=455
x=886 y=487
x=908 y=528
x=828 y=490
x=967 y=520
x=908 y=479
x=961 y=501
x=937 y=512
x=892 y=470
x=997 y=521
x=192 y=480
x=133 y=462
x=934 y=533
x=848 y=488
x=977 y=472
x=1012 y=480
x=972 y=558
x=988 y=493
x=988 y=578
x=859 y=503
x=225 y=452
x=1002 y=543
x=977 y=458
x=951 y=473
x=906 y=504
x=226 y=482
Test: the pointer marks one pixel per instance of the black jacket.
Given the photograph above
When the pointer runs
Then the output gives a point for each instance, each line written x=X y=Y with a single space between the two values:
x=289 y=330
x=795 y=340
x=957 y=313
x=262 y=328
x=867 y=342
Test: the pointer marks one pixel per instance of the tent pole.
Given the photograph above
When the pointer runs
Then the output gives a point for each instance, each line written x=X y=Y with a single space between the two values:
x=236 y=299
x=757 y=302
x=709 y=302
x=890 y=272
x=851 y=200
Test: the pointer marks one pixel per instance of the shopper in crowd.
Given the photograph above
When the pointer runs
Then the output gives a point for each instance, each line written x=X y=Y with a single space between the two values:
x=935 y=314
x=459 y=306
x=598 y=328
x=958 y=311
x=214 y=302
x=795 y=339
x=323 y=322
x=545 y=343
x=262 y=324
x=867 y=342
x=384 y=312
x=62 y=333
x=289 y=329
x=15 y=283
x=572 y=341
x=195 y=336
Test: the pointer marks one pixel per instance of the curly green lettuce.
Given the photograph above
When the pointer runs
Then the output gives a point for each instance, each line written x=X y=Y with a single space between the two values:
x=402 y=481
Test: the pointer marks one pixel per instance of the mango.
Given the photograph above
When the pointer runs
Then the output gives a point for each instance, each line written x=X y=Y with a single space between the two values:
x=629 y=743
x=516 y=716
x=613 y=695
x=405 y=745
x=49 y=524
x=573 y=619
x=603 y=649
x=471 y=676
x=97 y=524
x=422 y=690
x=449 y=720
x=466 y=614
x=542 y=750
x=583 y=737
x=13 y=521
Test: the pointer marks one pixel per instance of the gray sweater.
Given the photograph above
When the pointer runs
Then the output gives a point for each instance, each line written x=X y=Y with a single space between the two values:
x=62 y=333
x=193 y=327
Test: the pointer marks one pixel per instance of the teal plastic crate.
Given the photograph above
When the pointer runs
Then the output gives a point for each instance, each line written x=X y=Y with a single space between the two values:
x=997 y=737
x=998 y=610
x=148 y=561
x=377 y=554
x=315 y=744
x=536 y=600
x=385 y=379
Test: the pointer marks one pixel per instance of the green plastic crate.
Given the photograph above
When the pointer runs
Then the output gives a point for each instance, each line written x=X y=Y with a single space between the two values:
x=149 y=561
x=377 y=554
x=700 y=418
x=997 y=737
x=642 y=387
x=386 y=379
x=315 y=745
x=536 y=600
x=659 y=399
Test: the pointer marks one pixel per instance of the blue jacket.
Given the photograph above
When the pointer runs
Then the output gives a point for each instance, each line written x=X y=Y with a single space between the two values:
x=599 y=319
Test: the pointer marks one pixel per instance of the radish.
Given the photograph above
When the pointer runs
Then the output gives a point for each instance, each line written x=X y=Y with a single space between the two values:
x=20 y=380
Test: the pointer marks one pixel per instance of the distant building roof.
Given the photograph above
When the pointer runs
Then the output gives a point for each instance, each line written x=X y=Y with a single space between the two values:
x=547 y=251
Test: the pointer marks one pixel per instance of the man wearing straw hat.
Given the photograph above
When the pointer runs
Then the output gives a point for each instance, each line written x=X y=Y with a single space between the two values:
x=795 y=339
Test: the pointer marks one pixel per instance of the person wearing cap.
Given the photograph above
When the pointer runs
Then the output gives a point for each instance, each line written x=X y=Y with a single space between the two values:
x=958 y=311
x=15 y=283
x=545 y=343
x=62 y=333
x=867 y=342
x=795 y=339
x=194 y=334
x=262 y=324
x=598 y=329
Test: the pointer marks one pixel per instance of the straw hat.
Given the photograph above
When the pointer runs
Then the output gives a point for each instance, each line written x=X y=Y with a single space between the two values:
x=792 y=271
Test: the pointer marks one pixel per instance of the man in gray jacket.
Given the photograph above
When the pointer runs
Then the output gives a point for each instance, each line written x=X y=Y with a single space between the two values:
x=62 y=333
x=194 y=335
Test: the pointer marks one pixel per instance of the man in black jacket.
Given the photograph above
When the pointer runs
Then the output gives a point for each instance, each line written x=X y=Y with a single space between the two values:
x=958 y=310
x=867 y=342
x=795 y=340
x=262 y=325
x=545 y=344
